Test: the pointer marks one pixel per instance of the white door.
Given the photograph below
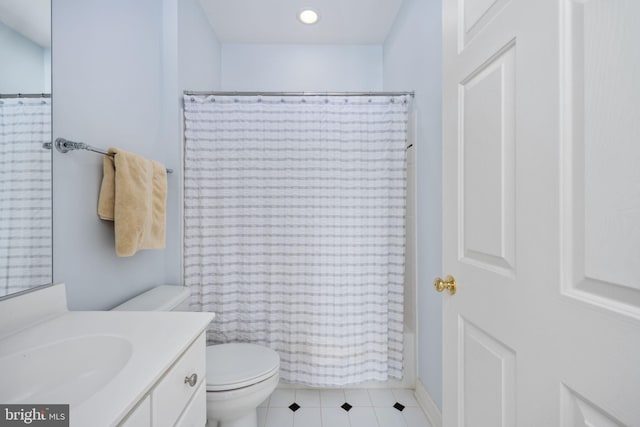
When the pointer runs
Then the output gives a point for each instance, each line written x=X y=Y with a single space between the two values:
x=542 y=213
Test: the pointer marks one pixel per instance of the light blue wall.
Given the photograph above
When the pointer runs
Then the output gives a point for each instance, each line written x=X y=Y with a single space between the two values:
x=413 y=61
x=46 y=52
x=116 y=82
x=23 y=64
x=199 y=51
x=107 y=75
x=191 y=61
x=309 y=68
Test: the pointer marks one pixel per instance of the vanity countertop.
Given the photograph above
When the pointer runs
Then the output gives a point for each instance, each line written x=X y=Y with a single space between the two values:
x=137 y=347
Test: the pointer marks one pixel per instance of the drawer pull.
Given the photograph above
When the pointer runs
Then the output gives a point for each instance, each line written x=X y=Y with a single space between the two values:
x=191 y=380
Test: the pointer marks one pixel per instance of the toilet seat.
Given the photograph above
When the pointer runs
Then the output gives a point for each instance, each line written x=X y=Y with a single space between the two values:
x=236 y=365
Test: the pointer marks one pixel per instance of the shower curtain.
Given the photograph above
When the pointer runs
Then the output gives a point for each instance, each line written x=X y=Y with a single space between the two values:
x=25 y=195
x=294 y=229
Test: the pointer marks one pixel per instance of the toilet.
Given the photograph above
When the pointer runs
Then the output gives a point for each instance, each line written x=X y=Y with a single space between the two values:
x=240 y=376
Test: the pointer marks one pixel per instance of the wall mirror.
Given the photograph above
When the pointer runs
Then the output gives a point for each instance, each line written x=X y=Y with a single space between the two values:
x=25 y=145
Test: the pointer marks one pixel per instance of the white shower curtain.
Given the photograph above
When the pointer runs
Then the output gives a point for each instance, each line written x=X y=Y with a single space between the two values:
x=294 y=229
x=25 y=196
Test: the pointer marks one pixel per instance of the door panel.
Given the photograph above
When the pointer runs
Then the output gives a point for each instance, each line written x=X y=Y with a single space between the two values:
x=602 y=133
x=577 y=411
x=488 y=379
x=487 y=165
x=474 y=16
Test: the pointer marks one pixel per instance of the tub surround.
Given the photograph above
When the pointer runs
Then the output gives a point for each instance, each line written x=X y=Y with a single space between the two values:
x=148 y=344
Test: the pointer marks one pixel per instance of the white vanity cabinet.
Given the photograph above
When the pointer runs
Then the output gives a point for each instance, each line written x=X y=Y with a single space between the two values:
x=113 y=368
x=179 y=396
x=140 y=416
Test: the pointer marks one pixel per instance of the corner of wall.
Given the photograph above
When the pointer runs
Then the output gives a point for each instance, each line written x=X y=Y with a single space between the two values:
x=412 y=61
x=427 y=404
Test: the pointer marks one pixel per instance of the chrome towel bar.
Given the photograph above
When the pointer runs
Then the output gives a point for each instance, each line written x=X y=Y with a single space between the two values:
x=64 y=146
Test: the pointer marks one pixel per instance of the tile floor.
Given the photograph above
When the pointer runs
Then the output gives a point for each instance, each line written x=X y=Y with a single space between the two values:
x=341 y=408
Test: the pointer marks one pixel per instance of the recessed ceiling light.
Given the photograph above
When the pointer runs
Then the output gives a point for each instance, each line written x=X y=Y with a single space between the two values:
x=308 y=16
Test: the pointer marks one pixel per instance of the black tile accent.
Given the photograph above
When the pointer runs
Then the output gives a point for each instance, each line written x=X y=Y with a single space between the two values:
x=346 y=406
x=399 y=406
x=294 y=406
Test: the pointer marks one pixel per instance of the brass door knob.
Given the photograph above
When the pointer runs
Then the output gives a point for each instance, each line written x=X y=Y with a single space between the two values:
x=449 y=283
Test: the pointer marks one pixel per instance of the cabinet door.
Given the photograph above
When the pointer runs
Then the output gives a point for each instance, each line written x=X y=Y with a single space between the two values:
x=195 y=414
x=174 y=392
x=140 y=416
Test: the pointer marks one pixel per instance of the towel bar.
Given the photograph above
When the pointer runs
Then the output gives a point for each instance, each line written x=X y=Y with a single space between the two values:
x=64 y=146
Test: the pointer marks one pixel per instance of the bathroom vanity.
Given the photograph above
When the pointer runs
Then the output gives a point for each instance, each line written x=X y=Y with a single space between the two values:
x=117 y=368
x=179 y=396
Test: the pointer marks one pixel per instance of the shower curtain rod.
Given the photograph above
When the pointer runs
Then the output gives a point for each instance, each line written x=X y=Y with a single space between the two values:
x=25 y=95
x=225 y=93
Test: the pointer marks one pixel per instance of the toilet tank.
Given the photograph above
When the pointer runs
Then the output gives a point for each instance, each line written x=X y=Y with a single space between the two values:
x=161 y=298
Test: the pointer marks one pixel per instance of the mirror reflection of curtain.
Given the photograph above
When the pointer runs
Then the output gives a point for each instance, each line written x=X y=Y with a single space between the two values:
x=25 y=195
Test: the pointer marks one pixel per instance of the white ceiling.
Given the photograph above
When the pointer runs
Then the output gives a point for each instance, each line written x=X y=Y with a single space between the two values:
x=275 y=21
x=31 y=18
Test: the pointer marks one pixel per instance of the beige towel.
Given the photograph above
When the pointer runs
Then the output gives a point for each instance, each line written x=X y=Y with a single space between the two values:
x=133 y=194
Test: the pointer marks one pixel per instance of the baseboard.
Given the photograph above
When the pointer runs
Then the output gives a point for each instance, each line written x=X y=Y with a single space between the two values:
x=428 y=405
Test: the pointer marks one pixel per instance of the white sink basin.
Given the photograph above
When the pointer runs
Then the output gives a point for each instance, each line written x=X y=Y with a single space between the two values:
x=64 y=371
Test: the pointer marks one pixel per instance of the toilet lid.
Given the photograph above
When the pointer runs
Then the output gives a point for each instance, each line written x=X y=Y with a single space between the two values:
x=236 y=365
